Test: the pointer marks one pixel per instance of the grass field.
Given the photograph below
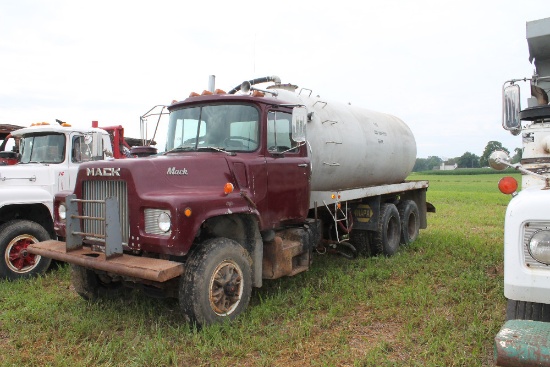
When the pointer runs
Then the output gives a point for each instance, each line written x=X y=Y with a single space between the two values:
x=438 y=302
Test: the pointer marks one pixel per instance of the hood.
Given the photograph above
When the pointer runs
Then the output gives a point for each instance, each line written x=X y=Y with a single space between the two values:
x=190 y=171
x=32 y=174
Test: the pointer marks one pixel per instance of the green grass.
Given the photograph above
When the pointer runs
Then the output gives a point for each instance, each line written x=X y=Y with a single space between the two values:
x=438 y=302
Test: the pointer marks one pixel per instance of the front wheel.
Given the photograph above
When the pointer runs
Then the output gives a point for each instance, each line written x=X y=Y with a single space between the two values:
x=217 y=282
x=15 y=237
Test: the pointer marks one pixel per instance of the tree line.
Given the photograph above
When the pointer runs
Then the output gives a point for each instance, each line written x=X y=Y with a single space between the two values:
x=466 y=160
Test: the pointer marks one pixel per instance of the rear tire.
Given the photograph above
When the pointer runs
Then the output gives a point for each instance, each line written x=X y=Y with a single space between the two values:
x=410 y=221
x=17 y=262
x=217 y=282
x=388 y=235
x=520 y=310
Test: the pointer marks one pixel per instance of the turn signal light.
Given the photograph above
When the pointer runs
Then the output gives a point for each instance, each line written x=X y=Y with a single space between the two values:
x=187 y=212
x=228 y=188
x=508 y=185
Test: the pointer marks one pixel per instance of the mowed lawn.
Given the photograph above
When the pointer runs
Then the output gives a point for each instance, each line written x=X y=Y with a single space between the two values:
x=438 y=302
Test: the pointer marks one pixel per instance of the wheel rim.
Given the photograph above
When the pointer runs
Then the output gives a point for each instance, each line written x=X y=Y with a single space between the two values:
x=226 y=288
x=18 y=258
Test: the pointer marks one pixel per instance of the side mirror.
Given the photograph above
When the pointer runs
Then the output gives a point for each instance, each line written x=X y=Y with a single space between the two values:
x=499 y=160
x=510 y=109
x=299 y=122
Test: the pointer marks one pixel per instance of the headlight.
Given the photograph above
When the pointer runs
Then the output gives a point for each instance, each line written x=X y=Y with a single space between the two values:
x=62 y=211
x=164 y=221
x=539 y=246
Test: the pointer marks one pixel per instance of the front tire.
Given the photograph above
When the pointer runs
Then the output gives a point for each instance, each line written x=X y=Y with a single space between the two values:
x=388 y=234
x=521 y=310
x=15 y=237
x=217 y=282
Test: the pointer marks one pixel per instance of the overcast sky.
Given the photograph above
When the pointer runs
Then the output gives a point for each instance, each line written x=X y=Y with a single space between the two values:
x=437 y=65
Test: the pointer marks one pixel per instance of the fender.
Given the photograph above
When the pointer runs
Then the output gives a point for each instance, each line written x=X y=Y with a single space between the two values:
x=26 y=195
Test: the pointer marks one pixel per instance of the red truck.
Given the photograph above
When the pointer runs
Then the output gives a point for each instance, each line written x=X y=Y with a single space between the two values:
x=251 y=184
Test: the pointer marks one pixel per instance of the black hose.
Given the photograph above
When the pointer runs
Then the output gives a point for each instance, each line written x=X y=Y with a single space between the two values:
x=252 y=82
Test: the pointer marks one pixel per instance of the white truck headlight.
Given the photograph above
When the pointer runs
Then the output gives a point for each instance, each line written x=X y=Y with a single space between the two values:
x=539 y=246
x=62 y=211
x=164 y=221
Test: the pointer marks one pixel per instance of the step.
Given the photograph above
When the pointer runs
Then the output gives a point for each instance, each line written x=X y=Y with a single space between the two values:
x=523 y=343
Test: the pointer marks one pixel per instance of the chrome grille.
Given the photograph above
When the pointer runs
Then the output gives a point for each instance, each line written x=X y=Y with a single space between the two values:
x=100 y=190
x=528 y=230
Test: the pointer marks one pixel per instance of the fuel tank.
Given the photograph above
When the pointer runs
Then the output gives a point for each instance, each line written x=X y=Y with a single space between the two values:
x=352 y=147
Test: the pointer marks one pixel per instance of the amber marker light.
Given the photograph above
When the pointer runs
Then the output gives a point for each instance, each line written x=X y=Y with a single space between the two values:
x=228 y=188
x=187 y=212
x=333 y=196
x=507 y=185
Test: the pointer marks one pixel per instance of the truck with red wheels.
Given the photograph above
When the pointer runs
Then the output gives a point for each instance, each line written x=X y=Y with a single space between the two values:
x=253 y=182
x=47 y=162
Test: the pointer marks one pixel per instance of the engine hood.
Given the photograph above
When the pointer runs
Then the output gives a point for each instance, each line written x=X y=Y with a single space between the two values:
x=32 y=174
x=189 y=171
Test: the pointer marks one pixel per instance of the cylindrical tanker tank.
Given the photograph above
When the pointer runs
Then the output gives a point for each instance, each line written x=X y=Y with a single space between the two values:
x=352 y=147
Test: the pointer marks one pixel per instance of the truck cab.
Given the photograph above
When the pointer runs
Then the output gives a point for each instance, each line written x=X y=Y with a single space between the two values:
x=524 y=338
x=48 y=163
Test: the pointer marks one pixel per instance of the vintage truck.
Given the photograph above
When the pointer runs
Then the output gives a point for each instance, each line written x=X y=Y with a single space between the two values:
x=524 y=340
x=47 y=162
x=251 y=184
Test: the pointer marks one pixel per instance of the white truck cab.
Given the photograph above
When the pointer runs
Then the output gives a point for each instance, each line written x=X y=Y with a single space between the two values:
x=524 y=340
x=50 y=156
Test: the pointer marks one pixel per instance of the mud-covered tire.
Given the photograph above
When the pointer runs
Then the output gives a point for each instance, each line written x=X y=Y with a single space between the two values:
x=388 y=233
x=521 y=310
x=17 y=262
x=88 y=284
x=410 y=221
x=217 y=282
x=360 y=240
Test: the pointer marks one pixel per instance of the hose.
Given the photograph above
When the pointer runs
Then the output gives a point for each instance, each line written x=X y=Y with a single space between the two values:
x=265 y=79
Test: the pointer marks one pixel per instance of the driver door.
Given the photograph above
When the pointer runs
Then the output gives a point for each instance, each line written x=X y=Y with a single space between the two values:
x=288 y=172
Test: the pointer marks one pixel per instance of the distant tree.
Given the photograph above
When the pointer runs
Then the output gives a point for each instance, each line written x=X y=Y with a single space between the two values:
x=420 y=165
x=517 y=156
x=426 y=164
x=468 y=160
x=451 y=161
x=490 y=148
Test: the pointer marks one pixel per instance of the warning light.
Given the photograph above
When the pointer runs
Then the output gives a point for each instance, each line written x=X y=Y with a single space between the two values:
x=507 y=185
x=228 y=188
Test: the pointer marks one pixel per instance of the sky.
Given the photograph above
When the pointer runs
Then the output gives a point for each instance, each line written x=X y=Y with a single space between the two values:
x=437 y=65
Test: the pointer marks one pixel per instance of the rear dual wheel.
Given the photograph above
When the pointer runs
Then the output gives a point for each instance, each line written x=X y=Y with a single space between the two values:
x=388 y=234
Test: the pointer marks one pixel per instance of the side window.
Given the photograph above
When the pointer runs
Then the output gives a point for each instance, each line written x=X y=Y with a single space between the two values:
x=81 y=151
x=279 y=129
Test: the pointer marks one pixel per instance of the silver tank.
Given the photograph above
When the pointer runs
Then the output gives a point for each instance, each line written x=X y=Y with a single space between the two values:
x=352 y=147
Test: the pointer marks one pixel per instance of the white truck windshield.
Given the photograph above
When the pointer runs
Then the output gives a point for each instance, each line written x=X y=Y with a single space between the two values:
x=49 y=148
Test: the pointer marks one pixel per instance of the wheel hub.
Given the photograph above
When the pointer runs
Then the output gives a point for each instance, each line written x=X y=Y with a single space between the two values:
x=18 y=257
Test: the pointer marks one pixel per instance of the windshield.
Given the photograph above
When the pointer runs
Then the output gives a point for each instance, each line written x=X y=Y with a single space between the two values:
x=230 y=127
x=49 y=148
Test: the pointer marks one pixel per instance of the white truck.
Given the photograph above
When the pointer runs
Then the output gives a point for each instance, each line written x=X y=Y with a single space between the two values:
x=49 y=159
x=524 y=340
